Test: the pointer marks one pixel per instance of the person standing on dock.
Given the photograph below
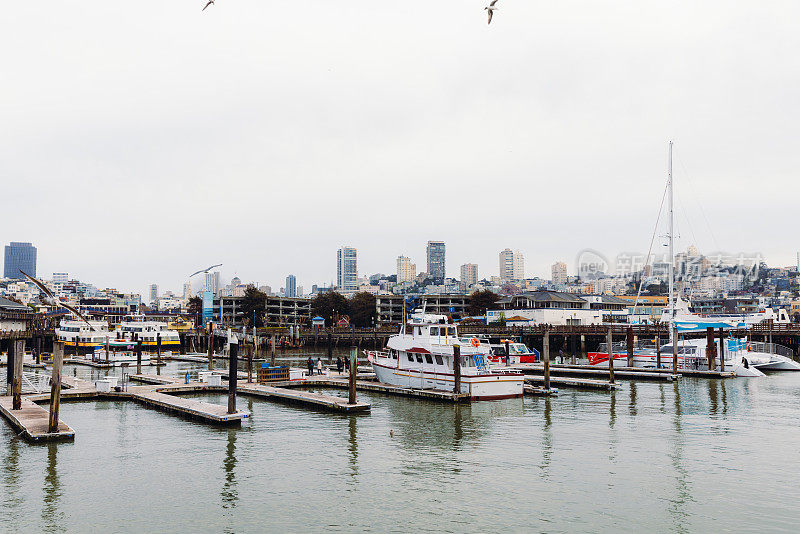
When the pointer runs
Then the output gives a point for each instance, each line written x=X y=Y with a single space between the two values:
x=346 y=364
x=319 y=366
x=310 y=365
x=339 y=364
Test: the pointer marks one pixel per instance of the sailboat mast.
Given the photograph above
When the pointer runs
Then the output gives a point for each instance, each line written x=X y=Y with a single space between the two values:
x=671 y=249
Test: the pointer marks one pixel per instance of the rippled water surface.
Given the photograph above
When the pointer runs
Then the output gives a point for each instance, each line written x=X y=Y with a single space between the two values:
x=694 y=456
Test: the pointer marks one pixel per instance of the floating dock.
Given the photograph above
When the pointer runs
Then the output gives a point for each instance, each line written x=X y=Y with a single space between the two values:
x=570 y=382
x=327 y=402
x=628 y=373
x=191 y=408
x=32 y=421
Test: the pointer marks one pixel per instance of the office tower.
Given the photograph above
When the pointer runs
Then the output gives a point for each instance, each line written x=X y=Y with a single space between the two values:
x=153 y=293
x=291 y=286
x=469 y=274
x=436 y=264
x=187 y=290
x=406 y=271
x=19 y=256
x=346 y=270
x=212 y=283
x=559 y=271
x=512 y=265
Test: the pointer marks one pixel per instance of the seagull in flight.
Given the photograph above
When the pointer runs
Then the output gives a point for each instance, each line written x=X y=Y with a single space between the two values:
x=50 y=300
x=205 y=270
x=207 y=4
x=491 y=9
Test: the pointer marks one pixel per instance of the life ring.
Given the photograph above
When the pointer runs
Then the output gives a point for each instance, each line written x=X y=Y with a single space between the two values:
x=475 y=342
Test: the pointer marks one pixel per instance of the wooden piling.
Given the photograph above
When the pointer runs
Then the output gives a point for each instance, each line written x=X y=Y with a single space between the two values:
x=658 y=352
x=457 y=369
x=674 y=348
x=610 y=343
x=10 y=367
x=546 y=355
x=38 y=350
x=272 y=355
x=629 y=345
x=210 y=343
x=721 y=351
x=711 y=348
x=250 y=363
x=16 y=385
x=158 y=353
x=233 y=375
x=138 y=355
x=508 y=353
x=55 y=386
x=351 y=398
x=330 y=347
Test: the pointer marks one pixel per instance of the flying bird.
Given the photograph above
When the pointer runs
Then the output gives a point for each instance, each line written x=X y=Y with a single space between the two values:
x=207 y=4
x=490 y=9
x=205 y=270
x=51 y=300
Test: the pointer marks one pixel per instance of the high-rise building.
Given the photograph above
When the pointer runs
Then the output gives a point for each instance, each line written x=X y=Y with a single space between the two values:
x=436 y=263
x=559 y=271
x=346 y=270
x=406 y=271
x=153 y=293
x=60 y=278
x=469 y=274
x=512 y=265
x=19 y=256
x=291 y=286
x=187 y=290
x=212 y=282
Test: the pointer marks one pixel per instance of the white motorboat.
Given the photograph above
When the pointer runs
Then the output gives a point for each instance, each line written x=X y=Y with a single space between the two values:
x=691 y=357
x=78 y=334
x=421 y=357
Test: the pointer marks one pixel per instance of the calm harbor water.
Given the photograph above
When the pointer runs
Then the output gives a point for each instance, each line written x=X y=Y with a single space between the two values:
x=693 y=456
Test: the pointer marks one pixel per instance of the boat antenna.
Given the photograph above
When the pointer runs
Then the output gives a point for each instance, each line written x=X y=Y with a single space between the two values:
x=671 y=249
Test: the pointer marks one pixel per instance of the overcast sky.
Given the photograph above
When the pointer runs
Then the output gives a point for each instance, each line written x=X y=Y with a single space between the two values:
x=141 y=141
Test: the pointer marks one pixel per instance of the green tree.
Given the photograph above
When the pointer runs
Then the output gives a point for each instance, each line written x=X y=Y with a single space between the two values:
x=254 y=306
x=362 y=309
x=324 y=305
x=480 y=301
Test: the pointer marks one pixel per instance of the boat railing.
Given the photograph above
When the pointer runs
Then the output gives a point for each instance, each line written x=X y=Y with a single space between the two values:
x=771 y=348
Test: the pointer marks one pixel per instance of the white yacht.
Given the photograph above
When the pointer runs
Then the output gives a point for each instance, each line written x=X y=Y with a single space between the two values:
x=138 y=325
x=76 y=333
x=421 y=356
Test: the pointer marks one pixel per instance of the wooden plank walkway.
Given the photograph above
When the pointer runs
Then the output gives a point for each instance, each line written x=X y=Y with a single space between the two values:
x=434 y=394
x=328 y=402
x=192 y=408
x=625 y=369
x=32 y=421
x=628 y=373
x=569 y=382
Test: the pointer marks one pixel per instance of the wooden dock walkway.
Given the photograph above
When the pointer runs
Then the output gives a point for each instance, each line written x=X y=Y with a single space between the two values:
x=191 y=408
x=32 y=421
x=628 y=373
x=327 y=402
x=271 y=392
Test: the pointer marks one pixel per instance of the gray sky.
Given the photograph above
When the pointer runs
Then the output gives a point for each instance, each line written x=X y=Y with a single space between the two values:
x=283 y=130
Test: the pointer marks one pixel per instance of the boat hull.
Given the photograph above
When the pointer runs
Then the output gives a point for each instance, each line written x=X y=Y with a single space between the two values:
x=479 y=387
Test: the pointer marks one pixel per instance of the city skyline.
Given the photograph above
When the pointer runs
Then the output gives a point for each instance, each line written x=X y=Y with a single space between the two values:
x=524 y=124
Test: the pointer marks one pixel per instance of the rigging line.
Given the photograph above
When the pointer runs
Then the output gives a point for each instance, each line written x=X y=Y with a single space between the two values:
x=686 y=216
x=699 y=204
x=652 y=239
